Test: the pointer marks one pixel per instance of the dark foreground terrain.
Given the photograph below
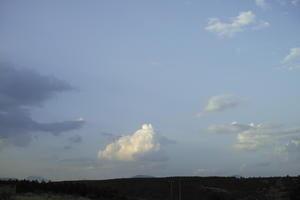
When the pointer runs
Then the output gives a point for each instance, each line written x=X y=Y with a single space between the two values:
x=170 y=188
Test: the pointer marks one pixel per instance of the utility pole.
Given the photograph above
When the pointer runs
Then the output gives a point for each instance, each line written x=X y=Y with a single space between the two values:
x=171 y=190
x=179 y=190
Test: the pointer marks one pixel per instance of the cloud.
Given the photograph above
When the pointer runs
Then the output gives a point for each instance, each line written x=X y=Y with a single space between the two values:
x=254 y=136
x=290 y=150
x=220 y=103
x=144 y=144
x=244 y=21
x=285 y=2
x=261 y=25
x=261 y=3
x=60 y=127
x=110 y=136
x=295 y=2
x=295 y=67
x=261 y=135
x=233 y=127
x=291 y=61
x=294 y=53
x=75 y=139
x=20 y=91
x=26 y=87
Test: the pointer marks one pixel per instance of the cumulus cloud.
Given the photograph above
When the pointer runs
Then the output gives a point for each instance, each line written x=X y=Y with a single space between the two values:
x=142 y=145
x=220 y=103
x=244 y=21
x=257 y=135
x=20 y=91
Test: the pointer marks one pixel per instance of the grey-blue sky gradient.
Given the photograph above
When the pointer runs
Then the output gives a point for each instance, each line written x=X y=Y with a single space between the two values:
x=106 y=89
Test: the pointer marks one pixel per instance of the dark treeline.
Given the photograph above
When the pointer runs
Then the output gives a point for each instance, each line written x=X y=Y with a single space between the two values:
x=70 y=188
x=215 y=188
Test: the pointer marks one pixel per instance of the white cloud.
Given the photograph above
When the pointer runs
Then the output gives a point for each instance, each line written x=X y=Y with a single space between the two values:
x=220 y=103
x=240 y=23
x=127 y=148
x=254 y=136
x=261 y=3
x=292 y=60
x=294 y=53
x=260 y=135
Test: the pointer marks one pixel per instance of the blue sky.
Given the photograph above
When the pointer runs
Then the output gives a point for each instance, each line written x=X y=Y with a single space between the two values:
x=107 y=89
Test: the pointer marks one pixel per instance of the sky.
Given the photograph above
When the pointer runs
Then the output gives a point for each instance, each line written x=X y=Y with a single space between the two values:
x=113 y=89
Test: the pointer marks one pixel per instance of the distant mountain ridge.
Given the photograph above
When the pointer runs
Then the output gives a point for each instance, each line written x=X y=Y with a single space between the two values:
x=7 y=179
x=143 y=176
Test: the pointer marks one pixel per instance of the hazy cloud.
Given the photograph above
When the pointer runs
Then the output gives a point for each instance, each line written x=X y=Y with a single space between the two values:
x=233 y=127
x=75 y=139
x=110 y=136
x=59 y=127
x=257 y=135
x=261 y=135
x=295 y=67
x=144 y=144
x=290 y=150
x=286 y=2
x=244 y=21
x=21 y=90
x=295 y=2
x=261 y=25
x=220 y=103
x=261 y=3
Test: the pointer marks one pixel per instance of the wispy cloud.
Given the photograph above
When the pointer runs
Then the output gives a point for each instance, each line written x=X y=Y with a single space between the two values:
x=233 y=127
x=220 y=103
x=292 y=60
x=254 y=136
x=295 y=2
x=294 y=53
x=261 y=3
x=244 y=21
